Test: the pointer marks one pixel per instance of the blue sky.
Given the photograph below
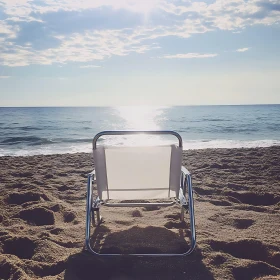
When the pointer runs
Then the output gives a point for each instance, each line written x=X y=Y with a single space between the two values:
x=128 y=52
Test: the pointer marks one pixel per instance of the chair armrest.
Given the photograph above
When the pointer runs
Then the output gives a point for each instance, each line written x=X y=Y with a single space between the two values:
x=91 y=173
x=185 y=171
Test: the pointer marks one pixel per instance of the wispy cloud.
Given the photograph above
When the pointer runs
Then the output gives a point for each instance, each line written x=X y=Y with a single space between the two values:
x=48 y=32
x=191 y=55
x=5 y=77
x=242 y=50
x=79 y=47
x=90 y=66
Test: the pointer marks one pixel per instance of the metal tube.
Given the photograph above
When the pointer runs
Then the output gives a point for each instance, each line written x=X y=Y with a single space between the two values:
x=88 y=210
x=191 y=211
x=132 y=132
x=136 y=204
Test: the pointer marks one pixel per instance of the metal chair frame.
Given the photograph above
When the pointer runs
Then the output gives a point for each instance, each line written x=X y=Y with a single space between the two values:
x=187 y=205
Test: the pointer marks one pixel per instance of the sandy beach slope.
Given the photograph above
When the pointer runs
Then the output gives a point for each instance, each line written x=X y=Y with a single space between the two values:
x=237 y=204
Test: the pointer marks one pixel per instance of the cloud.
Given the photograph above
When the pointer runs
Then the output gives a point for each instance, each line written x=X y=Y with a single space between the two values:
x=90 y=66
x=65 y=22
x=242 y=50
x=5 y=77
x=191 y=55
x=23 y=8
x=86 y=47
x=227 y=14
x=7 y=31
x=48 y=32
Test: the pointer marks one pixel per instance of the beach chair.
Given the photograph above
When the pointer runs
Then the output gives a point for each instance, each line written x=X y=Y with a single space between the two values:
x=127 y=176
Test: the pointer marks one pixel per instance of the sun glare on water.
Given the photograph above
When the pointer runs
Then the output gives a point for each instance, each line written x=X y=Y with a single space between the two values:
x=141 y=118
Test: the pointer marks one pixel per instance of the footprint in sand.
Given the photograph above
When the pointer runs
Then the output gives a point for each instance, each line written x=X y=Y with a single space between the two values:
x=50 y=269
x=136 y=213
x=255 y=199
x=22 y=247
x=250 y=249
x=20 y=198
x=220 y=202
x=218 y=259
x=177 y=225
x=56 y=231
x=173 y=216
x=22 y=174
x=243 y=223
x=63 y=188
x=253 y=270
x=124 y=222
x=56 y=207
x=38 y=216
x=8 y=270
x=151 y=208
x=69 y=216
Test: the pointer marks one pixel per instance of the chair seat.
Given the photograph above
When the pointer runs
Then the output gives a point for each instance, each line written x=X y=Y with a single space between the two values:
x=138 y=172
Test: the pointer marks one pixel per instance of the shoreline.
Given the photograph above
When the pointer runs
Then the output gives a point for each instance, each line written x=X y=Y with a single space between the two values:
x=184 y=151
x=237 y=210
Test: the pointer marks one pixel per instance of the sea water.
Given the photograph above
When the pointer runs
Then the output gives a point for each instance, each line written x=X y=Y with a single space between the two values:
x=58 y=130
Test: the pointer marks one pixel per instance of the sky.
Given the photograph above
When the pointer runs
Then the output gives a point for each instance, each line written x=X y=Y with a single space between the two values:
x=148 y=52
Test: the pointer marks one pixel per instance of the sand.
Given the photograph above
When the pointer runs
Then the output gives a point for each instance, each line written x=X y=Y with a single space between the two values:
x=237 y=207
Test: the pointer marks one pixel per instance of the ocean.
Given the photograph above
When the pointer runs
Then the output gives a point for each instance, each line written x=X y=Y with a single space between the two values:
x=59 y=130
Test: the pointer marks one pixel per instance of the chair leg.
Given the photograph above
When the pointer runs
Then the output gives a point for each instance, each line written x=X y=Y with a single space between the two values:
x=184 y=209
x=191 y=212
x=95 y=212
x=182 y=215
x=187 y=205
x=183 y=202
x=95 y=216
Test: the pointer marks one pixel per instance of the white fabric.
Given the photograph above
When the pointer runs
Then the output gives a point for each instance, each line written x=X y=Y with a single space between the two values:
x=100 y=170
x=175 y=170
x=138 y=172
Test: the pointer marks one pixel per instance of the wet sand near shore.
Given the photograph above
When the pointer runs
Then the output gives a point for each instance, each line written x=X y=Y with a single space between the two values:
x=237 y=210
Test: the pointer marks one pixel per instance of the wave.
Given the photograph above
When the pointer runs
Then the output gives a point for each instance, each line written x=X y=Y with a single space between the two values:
x=29 y=128
x=25 y=140
x=64 y=148
x=229 y=144
x=25 y=128
x=35 y=141
x=203 y=120
x=81 y=140
x=275 y=126
x=214 y=120
x=228 y=129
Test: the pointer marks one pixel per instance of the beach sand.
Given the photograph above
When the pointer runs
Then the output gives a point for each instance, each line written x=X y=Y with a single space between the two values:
x=237 y=210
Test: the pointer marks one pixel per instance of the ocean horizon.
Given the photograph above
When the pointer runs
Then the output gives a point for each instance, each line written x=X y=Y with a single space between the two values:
x=57 y=130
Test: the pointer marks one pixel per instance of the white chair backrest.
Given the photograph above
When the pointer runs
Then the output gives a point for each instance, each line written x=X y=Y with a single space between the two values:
x=133 y=173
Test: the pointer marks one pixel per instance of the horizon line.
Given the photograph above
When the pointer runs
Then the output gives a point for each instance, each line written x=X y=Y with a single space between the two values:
x=114 y=106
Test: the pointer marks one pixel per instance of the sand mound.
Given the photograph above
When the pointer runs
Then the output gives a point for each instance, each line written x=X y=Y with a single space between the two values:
x=237 y=205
